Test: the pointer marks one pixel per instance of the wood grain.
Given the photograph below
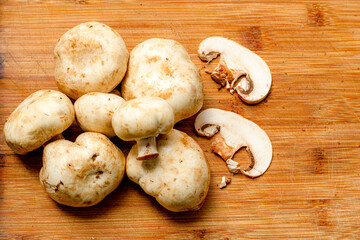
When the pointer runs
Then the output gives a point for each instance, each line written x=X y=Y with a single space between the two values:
x=312 y=116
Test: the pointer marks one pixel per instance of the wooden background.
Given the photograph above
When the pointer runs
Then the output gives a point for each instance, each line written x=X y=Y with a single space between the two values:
x=312 y=116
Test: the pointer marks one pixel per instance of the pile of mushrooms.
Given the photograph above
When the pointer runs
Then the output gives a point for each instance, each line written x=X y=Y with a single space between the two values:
x=160 y=86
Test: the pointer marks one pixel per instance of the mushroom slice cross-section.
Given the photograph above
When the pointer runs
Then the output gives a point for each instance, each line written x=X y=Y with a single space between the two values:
x=232 y=132
x=142 y=120
x=239 y=69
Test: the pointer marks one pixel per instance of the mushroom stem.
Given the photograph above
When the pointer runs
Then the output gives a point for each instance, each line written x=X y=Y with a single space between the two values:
x=147 y=148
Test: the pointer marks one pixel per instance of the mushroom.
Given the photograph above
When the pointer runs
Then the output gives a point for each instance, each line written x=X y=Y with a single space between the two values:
x=40 y=117
x=142 y=120
x=90 y=57
x=239 y=69
x=232 y=133
x=224 y=182
x=162 y=68
x=178 y=178
x=84 y=172
x=94 y=112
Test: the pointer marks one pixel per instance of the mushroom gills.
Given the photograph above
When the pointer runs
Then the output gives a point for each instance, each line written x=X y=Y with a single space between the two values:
x=226 y=147
x=233 y=80
x=239 y=69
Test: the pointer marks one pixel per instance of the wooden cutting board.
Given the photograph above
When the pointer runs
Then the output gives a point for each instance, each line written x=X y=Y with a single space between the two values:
x=312 y=116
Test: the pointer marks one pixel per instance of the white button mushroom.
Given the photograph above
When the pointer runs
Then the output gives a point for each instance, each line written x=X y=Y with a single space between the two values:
x=82 y=173
x=94 y=112
x=232 y=133
x=40 y=117
x=142 y=120
x=178 y=178
x=90 y=57
x=239 y=69
x=162 y=68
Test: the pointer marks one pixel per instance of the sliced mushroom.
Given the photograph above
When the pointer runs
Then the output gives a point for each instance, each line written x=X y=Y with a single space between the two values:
x=232 y=133
x=239 y=69
x=142 y=120
x=40 y=117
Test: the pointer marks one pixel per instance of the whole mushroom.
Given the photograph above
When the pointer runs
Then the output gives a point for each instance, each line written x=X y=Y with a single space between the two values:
x=142 y=120
x=94 y=112
x=90 y=57
x=83 y=173
x=232 y=132
x=239 y=69
x=162 y=68
x=178 y=178
x=40 y=117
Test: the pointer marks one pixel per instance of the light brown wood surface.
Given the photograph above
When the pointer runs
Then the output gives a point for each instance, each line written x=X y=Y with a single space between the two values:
x=312 y=116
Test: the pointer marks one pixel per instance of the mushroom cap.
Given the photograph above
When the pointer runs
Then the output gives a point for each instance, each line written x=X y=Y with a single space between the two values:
x=41 y=116
x=94 y=112
x=142 y=118
x=235 y=132
x=239 y=61
x=163 y=68
x=178 y=178
x=90 y=57
x=82 y=173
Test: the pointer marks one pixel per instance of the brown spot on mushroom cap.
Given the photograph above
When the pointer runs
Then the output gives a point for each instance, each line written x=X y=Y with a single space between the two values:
x=185 y=140
x=153 y=59
x=165 y=94
x=167 y=69
x=93 y=158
